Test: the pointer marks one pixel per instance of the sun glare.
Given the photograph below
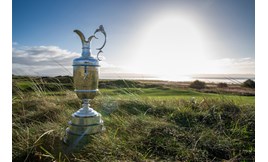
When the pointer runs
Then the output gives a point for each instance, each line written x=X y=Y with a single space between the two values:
x=171 y=44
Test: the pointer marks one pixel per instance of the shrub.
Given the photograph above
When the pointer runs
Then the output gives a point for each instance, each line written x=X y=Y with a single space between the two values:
x=198 y=84
x=249 y=84
x=222 y=85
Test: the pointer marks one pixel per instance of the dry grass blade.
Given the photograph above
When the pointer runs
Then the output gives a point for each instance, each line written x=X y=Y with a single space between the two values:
x=47 y=132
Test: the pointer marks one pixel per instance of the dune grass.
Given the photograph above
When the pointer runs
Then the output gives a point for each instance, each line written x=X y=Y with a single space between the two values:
x=142 y=124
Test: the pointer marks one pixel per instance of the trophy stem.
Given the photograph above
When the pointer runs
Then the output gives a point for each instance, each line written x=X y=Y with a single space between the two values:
x=86 y=103
x=86 y=111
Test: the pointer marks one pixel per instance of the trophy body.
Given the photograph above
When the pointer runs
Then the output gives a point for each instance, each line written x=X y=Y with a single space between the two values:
x=86 y=121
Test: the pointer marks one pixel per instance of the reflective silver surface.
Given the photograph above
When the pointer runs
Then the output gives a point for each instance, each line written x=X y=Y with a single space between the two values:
x=86 y=120
x=86 y=78
x=85 y=125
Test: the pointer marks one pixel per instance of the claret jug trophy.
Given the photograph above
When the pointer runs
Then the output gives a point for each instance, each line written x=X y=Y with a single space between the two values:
x=86 y=121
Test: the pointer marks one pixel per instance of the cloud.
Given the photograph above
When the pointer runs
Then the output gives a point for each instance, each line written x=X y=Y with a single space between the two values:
x=44 y=60
x=53 y=61
x=42 y=56
x=233 y=65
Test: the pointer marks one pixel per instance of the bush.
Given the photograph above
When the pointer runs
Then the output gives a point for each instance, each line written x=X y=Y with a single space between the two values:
x=222 y=85
x=249 y=84
x=198 y=84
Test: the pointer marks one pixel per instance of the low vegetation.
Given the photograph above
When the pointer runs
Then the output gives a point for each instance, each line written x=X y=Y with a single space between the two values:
x=144 y=122
x=198 y=85
x=249 y=84
x=222 y=85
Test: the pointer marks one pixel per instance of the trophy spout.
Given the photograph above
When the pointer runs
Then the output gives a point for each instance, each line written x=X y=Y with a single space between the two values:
x=86 y=52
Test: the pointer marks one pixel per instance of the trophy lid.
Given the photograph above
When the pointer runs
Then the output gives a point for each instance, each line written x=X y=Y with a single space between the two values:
x=87 y=59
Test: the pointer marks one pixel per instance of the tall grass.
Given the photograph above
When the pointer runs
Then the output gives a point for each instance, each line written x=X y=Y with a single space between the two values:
x=140 y=125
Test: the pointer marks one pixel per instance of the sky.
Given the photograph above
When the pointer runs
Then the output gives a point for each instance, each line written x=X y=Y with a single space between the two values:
x=167 y=38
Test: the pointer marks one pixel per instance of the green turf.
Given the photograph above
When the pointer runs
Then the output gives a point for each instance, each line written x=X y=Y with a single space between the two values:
x=143 y=123
x=173 y=94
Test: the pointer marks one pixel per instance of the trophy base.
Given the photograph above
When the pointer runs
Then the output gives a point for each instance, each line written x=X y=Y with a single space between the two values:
x=81 y=126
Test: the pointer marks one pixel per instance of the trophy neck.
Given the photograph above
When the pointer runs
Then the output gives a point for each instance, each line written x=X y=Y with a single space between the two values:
x=86 y=51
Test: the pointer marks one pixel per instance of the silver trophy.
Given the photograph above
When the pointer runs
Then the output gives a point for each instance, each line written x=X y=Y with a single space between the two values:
x=86 y=121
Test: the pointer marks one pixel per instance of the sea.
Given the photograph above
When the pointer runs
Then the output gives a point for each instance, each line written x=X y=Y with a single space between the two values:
x=209 y=78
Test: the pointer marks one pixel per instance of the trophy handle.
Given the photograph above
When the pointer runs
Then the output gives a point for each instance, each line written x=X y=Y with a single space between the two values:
x=100 y=29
